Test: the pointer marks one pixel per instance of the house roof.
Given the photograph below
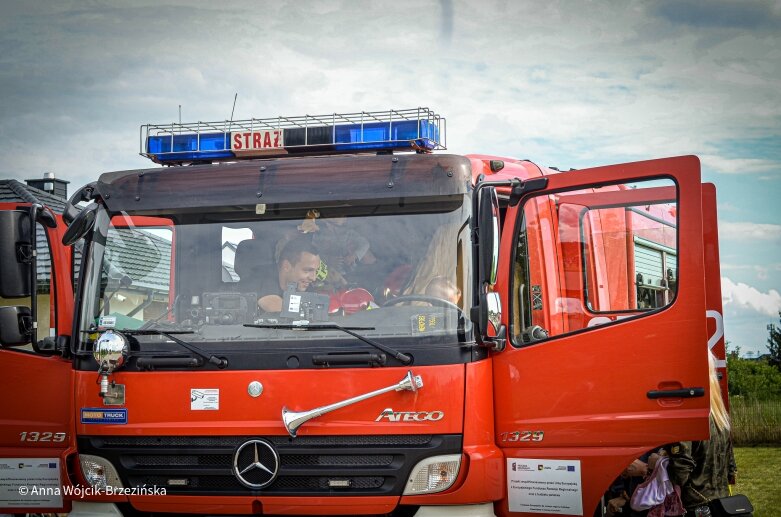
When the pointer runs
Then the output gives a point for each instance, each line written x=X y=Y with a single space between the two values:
x=141 y=255
x=13 y=191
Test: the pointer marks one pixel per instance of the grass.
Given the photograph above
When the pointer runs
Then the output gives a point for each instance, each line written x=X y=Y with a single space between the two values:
x=755 y=422
x=759 y=477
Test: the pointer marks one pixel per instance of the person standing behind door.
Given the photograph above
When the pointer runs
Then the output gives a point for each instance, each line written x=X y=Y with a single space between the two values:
x=704 y=469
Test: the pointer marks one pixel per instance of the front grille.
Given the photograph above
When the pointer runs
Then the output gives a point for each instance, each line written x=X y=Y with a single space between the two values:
x=189 y=460
x=309 y=465
x=353 y=460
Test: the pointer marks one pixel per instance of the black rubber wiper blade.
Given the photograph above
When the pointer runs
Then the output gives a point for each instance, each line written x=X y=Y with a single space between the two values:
x=304 y=326
x=153 y=332
x=220 y=362
x=401 y=357
x=139 y=332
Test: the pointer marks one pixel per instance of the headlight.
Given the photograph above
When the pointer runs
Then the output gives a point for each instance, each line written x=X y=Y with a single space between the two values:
x=99 y=472
x=111 y=351
x=433 y=474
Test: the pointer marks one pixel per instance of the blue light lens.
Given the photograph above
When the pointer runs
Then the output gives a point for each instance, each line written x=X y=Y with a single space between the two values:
x=185 y=147
x=184 y=143
x=385 y=135
x=401 y=135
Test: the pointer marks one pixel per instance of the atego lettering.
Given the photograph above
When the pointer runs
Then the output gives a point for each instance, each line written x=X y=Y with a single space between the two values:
x=411 y=416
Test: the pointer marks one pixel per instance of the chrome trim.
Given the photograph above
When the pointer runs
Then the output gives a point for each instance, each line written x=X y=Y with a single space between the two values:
x=293 y=420
x=111 y=350
x=255 y=389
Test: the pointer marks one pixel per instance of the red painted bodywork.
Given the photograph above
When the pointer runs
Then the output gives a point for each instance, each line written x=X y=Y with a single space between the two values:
x=585 y=389
x=40 y=397
x=241 y=414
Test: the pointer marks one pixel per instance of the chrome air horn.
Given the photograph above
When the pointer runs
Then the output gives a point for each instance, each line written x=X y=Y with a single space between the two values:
x=295 y=419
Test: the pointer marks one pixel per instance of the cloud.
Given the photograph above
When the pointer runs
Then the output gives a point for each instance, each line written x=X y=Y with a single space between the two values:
x=719 y=14
x=747 y=267
x=747 y=329
x=761 y=271
x=447 y=20
x=728 y=207
x=750 y=231
x=725 y=165
x=745 y=296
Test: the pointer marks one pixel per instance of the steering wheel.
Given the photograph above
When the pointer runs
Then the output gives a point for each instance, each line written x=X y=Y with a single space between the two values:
x=433 y=300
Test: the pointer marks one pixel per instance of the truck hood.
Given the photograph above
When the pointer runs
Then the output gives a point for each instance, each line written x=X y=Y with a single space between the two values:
x=219 y=403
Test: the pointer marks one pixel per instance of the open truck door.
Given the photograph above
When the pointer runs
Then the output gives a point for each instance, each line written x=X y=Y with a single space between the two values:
x=603 y=276
x=36 y=303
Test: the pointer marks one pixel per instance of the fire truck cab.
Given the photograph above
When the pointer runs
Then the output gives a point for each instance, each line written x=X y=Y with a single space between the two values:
x=296 y=316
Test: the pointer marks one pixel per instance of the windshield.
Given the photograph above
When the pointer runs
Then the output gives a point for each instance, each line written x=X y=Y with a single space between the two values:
x=398 y=271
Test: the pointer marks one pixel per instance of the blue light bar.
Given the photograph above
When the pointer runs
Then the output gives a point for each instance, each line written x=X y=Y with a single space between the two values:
x=418 y=129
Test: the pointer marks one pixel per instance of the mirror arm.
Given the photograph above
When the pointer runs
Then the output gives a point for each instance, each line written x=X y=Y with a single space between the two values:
x=85 y=193
x=499 y=342
x=46 y=218
x=475 y=256
x=35 y=208
x=521 y=188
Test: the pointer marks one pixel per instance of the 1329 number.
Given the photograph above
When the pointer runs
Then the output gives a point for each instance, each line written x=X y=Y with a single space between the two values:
x=35 y=436
x=522 y=436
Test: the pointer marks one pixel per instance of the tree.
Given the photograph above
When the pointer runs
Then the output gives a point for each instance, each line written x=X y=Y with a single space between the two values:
x=774 y=344
x=752 y=379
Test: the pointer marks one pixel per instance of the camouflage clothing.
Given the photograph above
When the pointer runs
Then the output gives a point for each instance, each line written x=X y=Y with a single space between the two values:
x=702 y=469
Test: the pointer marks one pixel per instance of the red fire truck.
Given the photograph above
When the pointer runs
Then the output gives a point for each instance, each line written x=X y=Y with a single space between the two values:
x=458 y=335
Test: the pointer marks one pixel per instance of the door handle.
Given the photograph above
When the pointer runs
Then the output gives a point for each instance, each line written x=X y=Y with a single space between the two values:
x=682 y=393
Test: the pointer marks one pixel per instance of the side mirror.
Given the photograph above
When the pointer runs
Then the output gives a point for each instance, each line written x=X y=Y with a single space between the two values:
x=488 y=225
x=489 y=319
x=493 y=305
x=15 y=253
x=15 y=326
x=81 y=225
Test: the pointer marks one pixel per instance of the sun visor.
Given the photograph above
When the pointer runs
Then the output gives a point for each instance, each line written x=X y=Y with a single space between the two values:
x=315 y=180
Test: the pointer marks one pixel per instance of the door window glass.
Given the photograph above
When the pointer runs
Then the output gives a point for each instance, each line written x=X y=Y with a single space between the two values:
x=136 y=275
x=590 y=257
x=45 y=289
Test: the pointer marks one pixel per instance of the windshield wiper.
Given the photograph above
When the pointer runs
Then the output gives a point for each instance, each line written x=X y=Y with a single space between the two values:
x=220 y=362
x=403 y=358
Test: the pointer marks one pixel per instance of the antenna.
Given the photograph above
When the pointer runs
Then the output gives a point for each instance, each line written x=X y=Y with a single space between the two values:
x=232 y=110
x=234 y=105
x=180 y=114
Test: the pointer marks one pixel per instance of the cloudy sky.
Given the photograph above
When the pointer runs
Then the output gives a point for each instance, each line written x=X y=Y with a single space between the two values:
x=568 y=84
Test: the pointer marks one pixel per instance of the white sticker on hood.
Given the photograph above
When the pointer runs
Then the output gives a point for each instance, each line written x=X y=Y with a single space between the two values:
x=204 y=399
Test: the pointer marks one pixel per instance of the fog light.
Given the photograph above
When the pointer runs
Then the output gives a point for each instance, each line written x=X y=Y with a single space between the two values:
x=433 y=474
x=99 y=472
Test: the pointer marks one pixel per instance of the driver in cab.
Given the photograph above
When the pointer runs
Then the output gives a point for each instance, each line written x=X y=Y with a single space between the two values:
x=298 y=263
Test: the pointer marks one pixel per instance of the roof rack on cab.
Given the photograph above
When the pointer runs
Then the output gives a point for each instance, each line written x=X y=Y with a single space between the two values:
x=416 y=129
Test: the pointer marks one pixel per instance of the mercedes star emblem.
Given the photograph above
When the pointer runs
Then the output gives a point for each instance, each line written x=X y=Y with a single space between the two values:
x=256 y=464
x=255 y=389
